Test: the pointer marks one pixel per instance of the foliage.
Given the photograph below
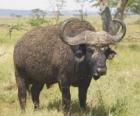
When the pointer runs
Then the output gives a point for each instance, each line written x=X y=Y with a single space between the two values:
x=37 y=21
x=37 y=13
x=134 y=6
x=38 y=18
x=13 y=27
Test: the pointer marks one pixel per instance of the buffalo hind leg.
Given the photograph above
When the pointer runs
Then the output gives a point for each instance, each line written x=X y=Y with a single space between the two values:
x=83 y=87
x=22 y=90
x=35 y=91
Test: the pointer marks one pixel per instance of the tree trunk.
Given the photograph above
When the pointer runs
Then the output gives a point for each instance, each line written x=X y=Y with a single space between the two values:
x=107 y=23
x=106 y=19
x=120 y=9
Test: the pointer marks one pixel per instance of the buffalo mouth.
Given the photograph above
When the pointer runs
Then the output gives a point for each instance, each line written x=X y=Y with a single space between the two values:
x=100 y=72
x=96 y=76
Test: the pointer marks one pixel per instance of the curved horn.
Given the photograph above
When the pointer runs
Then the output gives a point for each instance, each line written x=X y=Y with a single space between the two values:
x=101 y=38
x=119 y=36
x=78 y=39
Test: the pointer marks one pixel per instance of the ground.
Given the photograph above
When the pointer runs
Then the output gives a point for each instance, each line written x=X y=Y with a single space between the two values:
x=115 y=94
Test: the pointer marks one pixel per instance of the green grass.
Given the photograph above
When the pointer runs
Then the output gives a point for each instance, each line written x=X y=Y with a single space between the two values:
x=115 y=94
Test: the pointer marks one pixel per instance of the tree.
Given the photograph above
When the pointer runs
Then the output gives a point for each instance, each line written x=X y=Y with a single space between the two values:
x=38 y=17
x=81 y=11
x=58 y=5
x=37 y=13
x=11 y=28
x=134 y=6
x=108 y=24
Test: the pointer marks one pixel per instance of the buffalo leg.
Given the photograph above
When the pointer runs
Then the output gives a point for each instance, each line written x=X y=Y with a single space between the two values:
x=66 y=98
x=35 y=91
x=22 y=92
x=83 y=87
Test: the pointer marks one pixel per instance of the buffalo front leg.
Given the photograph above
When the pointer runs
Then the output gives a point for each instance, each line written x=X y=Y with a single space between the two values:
x=35 y=91
x=66 y=99
x=83 y=87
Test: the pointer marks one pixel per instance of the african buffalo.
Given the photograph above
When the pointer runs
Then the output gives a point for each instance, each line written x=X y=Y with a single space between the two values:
x=69 y=53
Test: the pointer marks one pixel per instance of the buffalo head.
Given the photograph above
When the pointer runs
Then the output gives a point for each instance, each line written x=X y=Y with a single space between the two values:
x=97 y=49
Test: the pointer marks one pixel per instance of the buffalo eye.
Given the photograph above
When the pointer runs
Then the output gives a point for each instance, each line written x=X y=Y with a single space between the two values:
x=90 y=50
x=79 y=53
x=111 y=55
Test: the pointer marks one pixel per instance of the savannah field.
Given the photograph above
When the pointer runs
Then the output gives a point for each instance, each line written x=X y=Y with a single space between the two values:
x=115 y=94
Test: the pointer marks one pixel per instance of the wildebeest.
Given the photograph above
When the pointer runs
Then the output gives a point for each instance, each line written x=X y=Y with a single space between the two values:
x=69 y=53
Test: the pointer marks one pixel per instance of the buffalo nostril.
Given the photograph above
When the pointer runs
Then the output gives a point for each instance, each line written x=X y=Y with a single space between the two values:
x=101 y=71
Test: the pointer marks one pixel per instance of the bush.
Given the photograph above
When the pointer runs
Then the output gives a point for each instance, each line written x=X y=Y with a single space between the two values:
x=37 y=21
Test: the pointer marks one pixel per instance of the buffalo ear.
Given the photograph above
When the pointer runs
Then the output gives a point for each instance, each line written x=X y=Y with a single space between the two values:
x=110 y=53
